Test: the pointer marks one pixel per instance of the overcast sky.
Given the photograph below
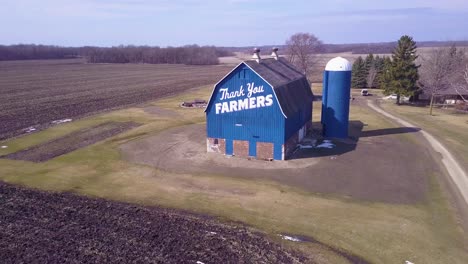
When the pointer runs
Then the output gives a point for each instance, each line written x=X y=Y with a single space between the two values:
x=227 y=22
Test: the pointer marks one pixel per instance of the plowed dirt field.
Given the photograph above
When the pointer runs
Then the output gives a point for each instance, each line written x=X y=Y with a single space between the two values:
x=44 y=227
x=35 y=93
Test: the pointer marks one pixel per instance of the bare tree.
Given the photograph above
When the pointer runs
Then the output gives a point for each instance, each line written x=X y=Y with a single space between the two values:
x=371 y=75
x=462 y=87
x=191 y=55
x=301 y=49
x=439 y=71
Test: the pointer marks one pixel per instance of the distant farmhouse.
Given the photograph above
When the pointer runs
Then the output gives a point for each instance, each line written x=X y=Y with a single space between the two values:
x=451 y=96
x=261 y=109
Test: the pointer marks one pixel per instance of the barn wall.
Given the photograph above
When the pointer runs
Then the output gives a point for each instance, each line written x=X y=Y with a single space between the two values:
x=297 y=121
x=260 y=129
x=291 y=144
x=260 y=124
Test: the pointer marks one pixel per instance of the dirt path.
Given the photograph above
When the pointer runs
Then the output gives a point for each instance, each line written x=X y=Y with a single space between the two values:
x=455 y=171
x=338 y=171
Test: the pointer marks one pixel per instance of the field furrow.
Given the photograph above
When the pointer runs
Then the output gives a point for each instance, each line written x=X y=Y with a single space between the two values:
x=34 y=93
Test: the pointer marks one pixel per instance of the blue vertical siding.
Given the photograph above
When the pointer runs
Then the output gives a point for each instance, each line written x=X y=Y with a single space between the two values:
x=229 y=147
x=252 y=148
x=277 y=152
x=324 y=95
x=335 y=107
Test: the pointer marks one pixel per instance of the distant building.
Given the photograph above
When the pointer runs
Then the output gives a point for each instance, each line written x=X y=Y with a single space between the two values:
x=261 y=109
x=448 y=96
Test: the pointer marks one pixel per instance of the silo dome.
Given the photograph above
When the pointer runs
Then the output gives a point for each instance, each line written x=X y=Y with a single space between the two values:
x=339 y=64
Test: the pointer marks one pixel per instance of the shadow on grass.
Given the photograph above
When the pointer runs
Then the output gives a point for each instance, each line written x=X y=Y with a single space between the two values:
x=342 y=146
x=389 y=131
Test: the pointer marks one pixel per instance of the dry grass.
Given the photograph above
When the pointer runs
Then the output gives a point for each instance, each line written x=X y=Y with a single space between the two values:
x=449 y=127
x=381 y=233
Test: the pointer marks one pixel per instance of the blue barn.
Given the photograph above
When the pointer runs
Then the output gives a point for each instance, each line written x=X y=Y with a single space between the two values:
x=261 y=109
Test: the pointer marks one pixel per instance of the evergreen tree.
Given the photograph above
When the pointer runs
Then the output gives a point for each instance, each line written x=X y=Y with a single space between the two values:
x=369 y=61
x=385 y=76
x=380 y=66
x=402 y=75
x=359 y=73
x=371 y=71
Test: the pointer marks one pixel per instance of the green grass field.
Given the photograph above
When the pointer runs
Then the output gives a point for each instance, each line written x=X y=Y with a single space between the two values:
x=425 y=232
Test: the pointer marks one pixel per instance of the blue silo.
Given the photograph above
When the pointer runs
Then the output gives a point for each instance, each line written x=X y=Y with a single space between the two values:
x=336 y=97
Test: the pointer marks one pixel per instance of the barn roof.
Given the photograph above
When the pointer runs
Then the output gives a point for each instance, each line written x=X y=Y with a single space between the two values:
x=290 y=86
x=276 y=72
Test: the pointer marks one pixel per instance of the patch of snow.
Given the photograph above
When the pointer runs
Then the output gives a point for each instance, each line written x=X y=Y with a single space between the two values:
x=212 y=233
x=199 y=262
x=4 y=147
x=291 y=238
x=30 y=129
x=408 y=262
x=60 y=121
x=326 y=144
x=394 y=97
x=333 y=157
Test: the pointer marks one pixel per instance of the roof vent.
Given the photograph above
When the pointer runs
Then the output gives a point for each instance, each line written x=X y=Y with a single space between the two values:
x=274 y=53
x=256 y=55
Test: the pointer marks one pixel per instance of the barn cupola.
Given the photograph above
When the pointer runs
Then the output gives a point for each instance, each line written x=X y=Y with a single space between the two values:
x=256 y=55
x=274 y=53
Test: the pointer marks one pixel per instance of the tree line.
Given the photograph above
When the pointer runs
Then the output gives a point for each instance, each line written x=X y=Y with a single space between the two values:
x=36 y=52
x=442 y=70
x=368 y=72
x=396 y=75
x=356 y=48
x=190 y=54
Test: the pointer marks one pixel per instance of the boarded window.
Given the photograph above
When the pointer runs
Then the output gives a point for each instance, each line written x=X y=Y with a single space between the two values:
x=216 y=145
x=264 y=150
x=241 y=148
